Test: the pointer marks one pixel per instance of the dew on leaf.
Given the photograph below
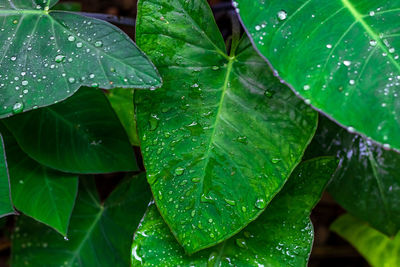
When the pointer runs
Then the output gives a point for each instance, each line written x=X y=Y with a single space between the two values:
x=282 y=15
x=17 y=108
x=179 y=171
x=260 y=203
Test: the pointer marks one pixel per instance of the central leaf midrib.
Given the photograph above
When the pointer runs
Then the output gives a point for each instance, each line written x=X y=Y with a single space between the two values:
x=211 y=141
x=360 y=18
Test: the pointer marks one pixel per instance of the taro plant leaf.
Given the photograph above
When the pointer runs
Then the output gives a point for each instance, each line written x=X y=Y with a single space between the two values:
x=47 y=55
x=68 y=6
x=281 y=236
x=39 y=192
x=367 y=184
x=122 y=102
x=6 y=206
x=379 y=249
x=222 y=135
x=79 y=135
x=342 y=56
x=99 y=234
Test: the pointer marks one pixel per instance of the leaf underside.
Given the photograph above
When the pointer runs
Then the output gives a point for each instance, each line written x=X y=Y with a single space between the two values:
x=79 y=135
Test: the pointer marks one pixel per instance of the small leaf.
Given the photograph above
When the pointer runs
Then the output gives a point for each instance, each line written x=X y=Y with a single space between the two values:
x=79 y=135
x=281 y=236
x=222 y=135
x=6 y=206
x=46 y=56
x=377 y=248
x=99 y=234
x=42 y=193
x=367 y=184
x=122 y=102
x=340 y=56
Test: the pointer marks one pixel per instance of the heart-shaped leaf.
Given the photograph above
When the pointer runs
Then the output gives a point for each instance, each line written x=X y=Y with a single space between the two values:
x=122 y=102
x=42 y=193
x=99 y=234
x=6 y=206
x=222 y=135
x=281 y=236
x=45 y=56
x=341 y=56
x=79 y=135
x=377 y=248
x=367 y=184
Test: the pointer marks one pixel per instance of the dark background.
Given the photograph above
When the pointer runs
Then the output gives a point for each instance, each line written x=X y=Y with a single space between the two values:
x=328 y=250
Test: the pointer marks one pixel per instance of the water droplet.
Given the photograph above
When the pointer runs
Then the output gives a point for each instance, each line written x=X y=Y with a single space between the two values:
x=196 y=180
x=98 y=44
x=275 y=160
x=260 y=203
x=306 y=87
x=351 y=129
x=244 y=209
x=13 y=58
x=71 y=38
x=153 y=122
x=17 y=108
x=282 y=15
x=329 y=46
x=347 y=63
x=15 y=21
x=352 y=82
x=373 y=43
x=71 y=80
x=242 y=139
x=95 y=85
x=79 y=44
x=241 y=243
x=179 y=171
x=24 y=83
x=230 y=202
x=59 y=58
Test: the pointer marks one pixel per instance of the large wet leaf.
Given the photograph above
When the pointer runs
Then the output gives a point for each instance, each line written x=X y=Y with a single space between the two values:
x=42 y=193
x=45 y=56
x=79 y=135
x=6 y=206
x=367 y=184
x=281 y=236
x=122 y=102
x=342 y=56
x=99 y=234
x=222 y=135
x=377 y=248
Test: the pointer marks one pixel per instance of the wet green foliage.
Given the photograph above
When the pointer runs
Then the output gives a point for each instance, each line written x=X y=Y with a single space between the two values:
x=201 y=127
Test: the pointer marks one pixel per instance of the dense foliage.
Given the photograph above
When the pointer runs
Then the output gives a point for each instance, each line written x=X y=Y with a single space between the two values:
x=237 y=133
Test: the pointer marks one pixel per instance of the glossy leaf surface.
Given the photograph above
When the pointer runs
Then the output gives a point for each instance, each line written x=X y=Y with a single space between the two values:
x=39 y=192
x=377 y=248
x=6 y=206
x=367 y=184
x=79 y=135
x=46 y=56
x=222 y=135
x=122 y=102
x=342 y=56
x=281 y=236
x=99 y=234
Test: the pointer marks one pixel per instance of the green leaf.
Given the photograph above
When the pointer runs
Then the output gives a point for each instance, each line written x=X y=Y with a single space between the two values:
x=367 y=184
x=47 y=55
x=341 y=56
x=42 y=193
x=377 y=248
x=6 y=206
x=122 y=102
x=222 y=135
x=79 y=135
x=99 y=234
x=281 y=236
